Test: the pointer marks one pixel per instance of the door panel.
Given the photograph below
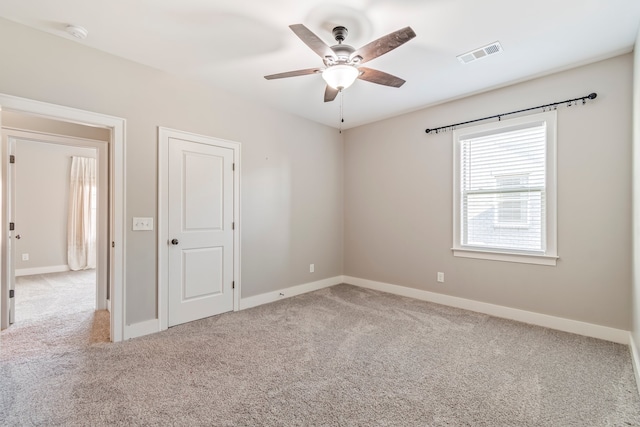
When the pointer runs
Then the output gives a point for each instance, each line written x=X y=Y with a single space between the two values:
x=203 y=203
x=203 y=269
x=200 y=225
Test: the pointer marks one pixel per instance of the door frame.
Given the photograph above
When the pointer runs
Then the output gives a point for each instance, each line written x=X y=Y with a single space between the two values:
x=102 y=161
x=116 y=178
x=164 y=134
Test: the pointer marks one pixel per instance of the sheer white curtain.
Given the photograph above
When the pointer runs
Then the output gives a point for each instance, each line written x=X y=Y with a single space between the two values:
x=81 y=229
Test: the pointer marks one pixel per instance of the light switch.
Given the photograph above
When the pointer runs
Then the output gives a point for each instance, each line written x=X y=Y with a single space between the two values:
x=142 y=224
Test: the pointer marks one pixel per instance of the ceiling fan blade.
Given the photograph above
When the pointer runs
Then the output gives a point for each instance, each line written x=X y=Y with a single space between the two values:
x=384 y=44
x=379 y=77
x=293 y=73
x=314 y=42
x=330 y=94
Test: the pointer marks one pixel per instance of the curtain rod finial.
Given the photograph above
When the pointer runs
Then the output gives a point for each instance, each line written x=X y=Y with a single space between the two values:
x=593 y=95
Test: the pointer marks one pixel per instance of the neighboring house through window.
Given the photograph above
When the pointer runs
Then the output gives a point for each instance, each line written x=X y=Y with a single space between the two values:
x=512 y=209
x=505 y=190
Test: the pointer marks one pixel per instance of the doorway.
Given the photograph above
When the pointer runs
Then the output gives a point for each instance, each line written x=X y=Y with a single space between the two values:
x=114 y=168
x=58 y=189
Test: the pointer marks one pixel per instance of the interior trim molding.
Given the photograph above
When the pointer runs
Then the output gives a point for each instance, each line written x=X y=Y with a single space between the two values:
x=635 y=359
x=141 y=328
x=41 y=270
x=538 y=319
x=117 y=204
x=268 y=297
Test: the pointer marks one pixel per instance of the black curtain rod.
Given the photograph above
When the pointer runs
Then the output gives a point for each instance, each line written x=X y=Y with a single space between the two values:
x=499 y=116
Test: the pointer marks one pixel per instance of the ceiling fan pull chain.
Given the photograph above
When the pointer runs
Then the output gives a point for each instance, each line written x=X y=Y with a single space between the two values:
x=341 y=110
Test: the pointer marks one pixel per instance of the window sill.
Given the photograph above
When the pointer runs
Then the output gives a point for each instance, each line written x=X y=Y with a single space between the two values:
x=506 y=256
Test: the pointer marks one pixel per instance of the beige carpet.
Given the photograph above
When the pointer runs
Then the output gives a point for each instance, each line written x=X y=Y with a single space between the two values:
x=55 y=294
x=342 y=356
x=55 y=312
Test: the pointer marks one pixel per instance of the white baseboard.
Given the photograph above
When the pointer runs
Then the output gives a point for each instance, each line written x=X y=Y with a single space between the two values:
x=544 y=320
x=152 y=326
x=142 y=328
x=289 y=292
x=635 y=359
x=42 y=270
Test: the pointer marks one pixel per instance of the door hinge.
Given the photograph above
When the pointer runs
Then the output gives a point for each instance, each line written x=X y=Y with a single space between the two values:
x=233 y=167
x=12 y=226
x=233 y=225
x=233 y=285
x=12 y=293
x=113 y=244
x=12 y=158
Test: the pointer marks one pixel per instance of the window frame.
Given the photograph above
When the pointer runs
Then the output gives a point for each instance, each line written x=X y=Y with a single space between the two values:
x=550 y=255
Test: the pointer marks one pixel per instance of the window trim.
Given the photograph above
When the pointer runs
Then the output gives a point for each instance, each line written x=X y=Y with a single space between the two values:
x=550 y=255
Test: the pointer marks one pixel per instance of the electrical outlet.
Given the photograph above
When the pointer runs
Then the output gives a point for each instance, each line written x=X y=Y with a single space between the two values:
x=312 y=268
x=25 y=257
x=440 y=277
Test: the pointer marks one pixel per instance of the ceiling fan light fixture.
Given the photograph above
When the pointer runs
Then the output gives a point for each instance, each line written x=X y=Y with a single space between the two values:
x=340 y=76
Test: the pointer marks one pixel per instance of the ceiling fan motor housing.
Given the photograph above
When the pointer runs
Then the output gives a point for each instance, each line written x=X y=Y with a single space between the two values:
x=340 y=33
x=342 y=55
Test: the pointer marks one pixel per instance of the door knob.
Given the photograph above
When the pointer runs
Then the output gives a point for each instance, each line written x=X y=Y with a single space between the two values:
x=174 y=241
x=18 y=236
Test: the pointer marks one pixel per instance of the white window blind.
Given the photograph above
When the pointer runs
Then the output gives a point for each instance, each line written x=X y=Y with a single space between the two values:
x=505 y=197
x=503 y=189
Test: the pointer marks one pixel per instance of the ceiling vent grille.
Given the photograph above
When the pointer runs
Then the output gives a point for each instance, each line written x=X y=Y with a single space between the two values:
x=483 y=52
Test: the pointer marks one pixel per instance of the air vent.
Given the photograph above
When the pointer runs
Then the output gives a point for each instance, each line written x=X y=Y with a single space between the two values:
x=480 y=53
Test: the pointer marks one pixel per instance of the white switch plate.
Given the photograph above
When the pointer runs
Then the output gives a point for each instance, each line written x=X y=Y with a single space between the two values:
x=312 y=268
x=440 y=277
x=142 y=224
x=25 y=257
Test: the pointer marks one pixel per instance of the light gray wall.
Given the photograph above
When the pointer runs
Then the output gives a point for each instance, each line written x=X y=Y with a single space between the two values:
x=42 y=188
x=398 y=201
x=42 y=200
x=291 y=168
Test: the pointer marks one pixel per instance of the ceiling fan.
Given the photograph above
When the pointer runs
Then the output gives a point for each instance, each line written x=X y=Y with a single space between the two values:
x=343 y=63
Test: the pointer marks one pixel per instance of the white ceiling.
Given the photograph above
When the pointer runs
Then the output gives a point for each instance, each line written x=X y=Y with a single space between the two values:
x=233 y=44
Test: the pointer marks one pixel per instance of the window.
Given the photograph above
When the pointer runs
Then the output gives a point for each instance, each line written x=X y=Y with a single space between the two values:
x=505 y=190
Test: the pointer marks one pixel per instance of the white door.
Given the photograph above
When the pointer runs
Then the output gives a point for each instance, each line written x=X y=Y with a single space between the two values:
x=200 y=230
x=11 y=253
